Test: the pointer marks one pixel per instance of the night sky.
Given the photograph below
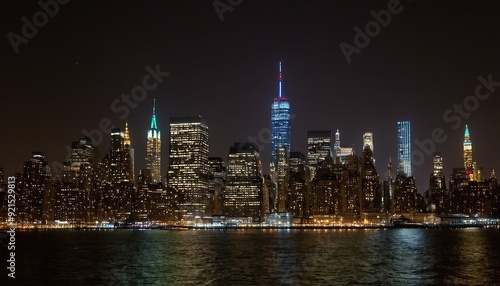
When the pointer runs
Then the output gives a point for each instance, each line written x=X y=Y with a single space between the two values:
x=427 y=59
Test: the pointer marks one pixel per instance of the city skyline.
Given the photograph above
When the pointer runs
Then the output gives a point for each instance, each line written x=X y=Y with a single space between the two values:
x=380 y=86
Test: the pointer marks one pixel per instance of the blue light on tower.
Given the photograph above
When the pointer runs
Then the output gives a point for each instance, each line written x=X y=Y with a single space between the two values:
x=404 y=148
x=280 y=122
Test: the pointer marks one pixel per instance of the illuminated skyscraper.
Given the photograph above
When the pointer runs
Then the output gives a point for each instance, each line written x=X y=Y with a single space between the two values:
x=280 y=124
x=404 y=148
x=116 y=158
x=318 y=148
x=437 y=195
x=243 y=193
x=188 y=171
x=129 y=156
x=368 y=140
x=153 y=151
x=341 y=153
x=468 y=163
x=217 y=182
x=336 y=145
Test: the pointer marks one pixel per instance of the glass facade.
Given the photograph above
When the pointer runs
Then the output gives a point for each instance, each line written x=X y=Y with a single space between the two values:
x=318 y=147
x=188 y=170
x=404 y=148
x=280 y=124
x=243 y=192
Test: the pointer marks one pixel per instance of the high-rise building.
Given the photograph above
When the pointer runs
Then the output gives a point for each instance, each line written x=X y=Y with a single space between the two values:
x=318 y=148
x=243 y=193
x=371 y=188
x=217 y=182
x=297 y=184
x=153 y=149
x=129 y=154
x=36 y=193
x=368 y=140
x=336 y=145
x=437 y=195
x=468 y=163
x=404 y=148
x=188 y=171
x=342 y=154
x=280 y=124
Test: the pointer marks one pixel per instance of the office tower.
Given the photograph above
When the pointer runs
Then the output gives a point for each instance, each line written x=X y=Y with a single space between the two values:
x=35 y=190
x=280 y=124
x=297 y=184
x=437 y=196
x=318 y=148
x=217 y=182
x=468 y=163
x=129 y=154
x=280 y=145
x=404 y=148
x=153 y=149
x=117 y=160
x=388 y=203
x=152 y=201
x=75 y=194
x=368 y=140
x=336 y=146
x=243 y=193
x=493 y=179
x=82 y=153
x=341 y=153
x=325 y=196
x=188 y=165
x=470 y=197
x=405 y=194
x=371 y=188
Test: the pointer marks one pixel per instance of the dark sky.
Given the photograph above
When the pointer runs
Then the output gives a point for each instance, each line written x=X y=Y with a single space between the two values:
x=425 y=60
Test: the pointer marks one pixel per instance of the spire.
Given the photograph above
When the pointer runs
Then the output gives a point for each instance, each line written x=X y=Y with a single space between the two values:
x=153 y=119
x=493 y=175
x=127 y=135
x=466 y=131
x=280 y=79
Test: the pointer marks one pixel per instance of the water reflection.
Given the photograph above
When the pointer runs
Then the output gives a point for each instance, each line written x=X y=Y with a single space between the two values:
x=261 y=257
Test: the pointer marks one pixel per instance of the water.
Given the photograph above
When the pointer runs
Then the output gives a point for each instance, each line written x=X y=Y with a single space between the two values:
x=257 y=257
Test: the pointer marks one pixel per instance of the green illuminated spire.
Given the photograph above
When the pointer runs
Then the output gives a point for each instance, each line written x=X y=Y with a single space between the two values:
x=153 y=119
x=467 y=131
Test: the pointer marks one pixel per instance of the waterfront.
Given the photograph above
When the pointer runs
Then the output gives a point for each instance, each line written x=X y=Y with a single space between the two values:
x=257 y=257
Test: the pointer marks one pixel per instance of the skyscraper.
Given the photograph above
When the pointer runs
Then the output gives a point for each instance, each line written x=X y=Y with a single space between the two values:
x=188 y=165
x=129 y=153
x=437 y=195
x=217 y=182
x=280 y=123
x=468 y=163
x=341 y=153
x=153 y=151
x=404 y=148
x=243 y=193
x=318 y=148
x=336 y=145
x=368 y=140
x=116 y=159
